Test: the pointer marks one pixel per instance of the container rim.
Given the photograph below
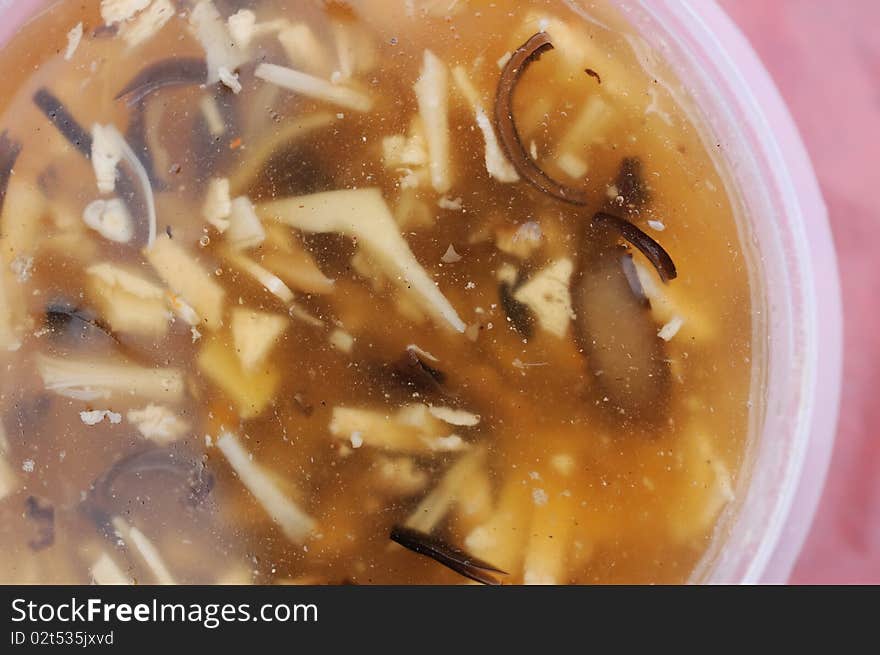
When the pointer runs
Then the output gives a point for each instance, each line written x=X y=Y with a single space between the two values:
x=804 y=410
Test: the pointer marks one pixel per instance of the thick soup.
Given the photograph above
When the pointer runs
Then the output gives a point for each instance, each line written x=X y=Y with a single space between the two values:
x=402 y=291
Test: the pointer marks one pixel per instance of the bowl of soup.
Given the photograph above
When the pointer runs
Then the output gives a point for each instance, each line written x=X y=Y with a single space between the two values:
x=416 y=292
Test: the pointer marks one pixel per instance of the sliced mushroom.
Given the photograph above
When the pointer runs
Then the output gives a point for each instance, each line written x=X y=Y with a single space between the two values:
x=615 y=330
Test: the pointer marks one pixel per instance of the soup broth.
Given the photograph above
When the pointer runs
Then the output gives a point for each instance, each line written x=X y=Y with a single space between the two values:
x=279 y=283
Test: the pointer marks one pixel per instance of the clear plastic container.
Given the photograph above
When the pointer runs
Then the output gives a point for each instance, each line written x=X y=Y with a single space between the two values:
x=782 y=220
x=797 y=341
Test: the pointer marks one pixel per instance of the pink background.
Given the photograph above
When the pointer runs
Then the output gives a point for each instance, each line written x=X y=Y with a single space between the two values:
x=825 y=58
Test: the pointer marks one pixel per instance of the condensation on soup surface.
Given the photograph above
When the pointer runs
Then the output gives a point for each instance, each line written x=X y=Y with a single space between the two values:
x=360 y=292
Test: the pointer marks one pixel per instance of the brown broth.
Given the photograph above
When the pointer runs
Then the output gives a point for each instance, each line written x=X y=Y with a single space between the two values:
x=566 y=491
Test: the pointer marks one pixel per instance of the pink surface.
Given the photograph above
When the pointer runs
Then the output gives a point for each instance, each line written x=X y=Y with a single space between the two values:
x=825 y=59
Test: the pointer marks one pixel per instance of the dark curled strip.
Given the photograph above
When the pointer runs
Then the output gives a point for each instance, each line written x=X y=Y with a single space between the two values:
x=648 y=247
x=197 y=480
x=174 y=71
x=62 y=119
x=507 y=132
x=10 y=149
x=166 y=72
x=449 y=556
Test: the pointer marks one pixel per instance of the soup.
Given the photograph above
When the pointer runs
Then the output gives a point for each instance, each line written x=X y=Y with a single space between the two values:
x=360 y=292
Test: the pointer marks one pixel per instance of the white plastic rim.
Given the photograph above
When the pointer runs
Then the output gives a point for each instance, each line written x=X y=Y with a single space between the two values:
x=795 y=282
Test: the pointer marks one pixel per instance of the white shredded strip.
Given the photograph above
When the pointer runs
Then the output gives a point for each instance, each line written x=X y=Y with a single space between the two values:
x=213 y=33
x=89 y=379
x=670 y=329
x=455 y=416
x=431 y=91
x=230 y=79
x=211 y=112
x=271 y=282
x=148 y=23
x=138 y=542
x=438 y=502
x=74 y=36
x=315 y=87
x=186 y=276
x=245 y=229
x=116 y=11
x=293 y=521
x=106 y=155
x=218 y=204
x=497 y=164
x=96 y=416
x=105 y=571
x=424 y=353
x=364 y=214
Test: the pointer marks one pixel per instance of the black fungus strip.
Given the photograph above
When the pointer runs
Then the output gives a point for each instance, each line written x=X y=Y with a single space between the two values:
x=593 y=74
x=631 y=183
x=449 y=556
x=508 y=135
x=174 y=71
x=519 y=314
x=64 y=318
x=414 y=372
x=62 y=119
x=43 y=515
x=128 y=187
x=10 y=149
x=636 y=237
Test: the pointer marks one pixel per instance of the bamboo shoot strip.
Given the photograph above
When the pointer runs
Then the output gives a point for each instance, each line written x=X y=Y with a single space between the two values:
x=293 y=521
x=364 y=215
